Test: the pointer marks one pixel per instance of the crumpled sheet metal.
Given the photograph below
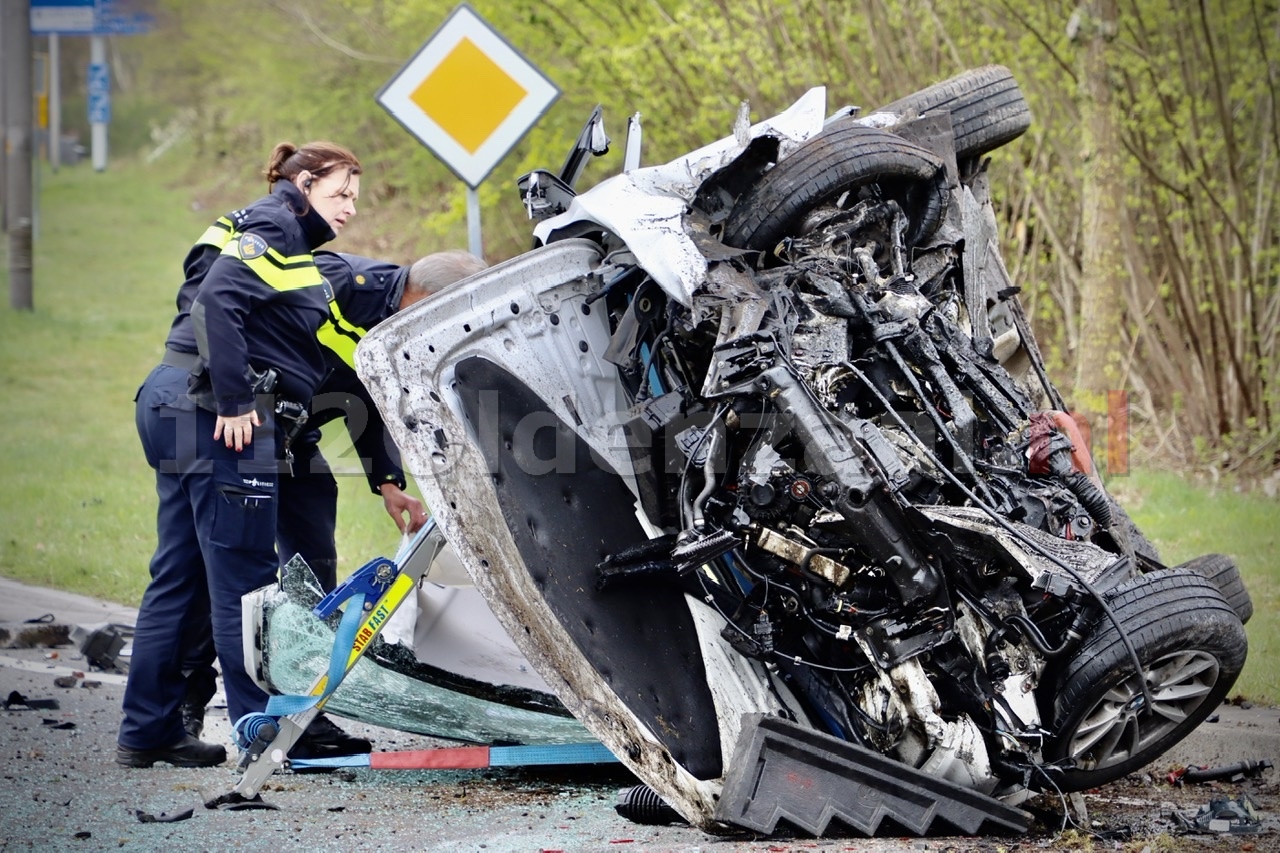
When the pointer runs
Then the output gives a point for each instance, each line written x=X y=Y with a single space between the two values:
x=657 y=236
x=528 y=315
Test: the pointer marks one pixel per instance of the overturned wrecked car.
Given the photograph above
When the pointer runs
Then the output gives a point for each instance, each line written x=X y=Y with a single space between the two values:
x=755 y=459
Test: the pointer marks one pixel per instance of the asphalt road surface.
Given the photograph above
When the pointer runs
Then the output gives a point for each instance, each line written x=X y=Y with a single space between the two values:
x=61 y=790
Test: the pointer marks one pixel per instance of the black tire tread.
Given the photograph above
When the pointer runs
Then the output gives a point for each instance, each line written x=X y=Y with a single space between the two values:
x=1222 y=571
x=986 y=104
x=1145 y=606
x=840 y=158
x=1154 y=608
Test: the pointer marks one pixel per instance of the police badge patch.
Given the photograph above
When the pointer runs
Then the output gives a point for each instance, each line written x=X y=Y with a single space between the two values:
x=251 y=246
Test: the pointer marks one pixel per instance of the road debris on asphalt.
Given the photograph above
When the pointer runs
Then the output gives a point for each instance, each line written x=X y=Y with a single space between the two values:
x=41 y=632
x=18 y=702
x=235 y=802
x=103 y=645
x=1228 y=773
x=1222 y=815
x=641 y=804
x=164 y=817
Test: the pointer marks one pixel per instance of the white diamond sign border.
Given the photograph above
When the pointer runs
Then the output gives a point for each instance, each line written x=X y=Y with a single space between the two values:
x=395 y=96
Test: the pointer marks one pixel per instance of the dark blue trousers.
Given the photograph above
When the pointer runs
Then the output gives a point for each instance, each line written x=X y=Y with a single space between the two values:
x=306 y=518
x=308 y=512
x=215 y=529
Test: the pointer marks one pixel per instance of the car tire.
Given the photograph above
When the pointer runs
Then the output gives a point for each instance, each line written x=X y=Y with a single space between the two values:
x=840 y=159
x=1192 y=647
x=1222 y=571
x=986 y=105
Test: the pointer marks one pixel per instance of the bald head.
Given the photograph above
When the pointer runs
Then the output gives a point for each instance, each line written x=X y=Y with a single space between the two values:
x=431 y=273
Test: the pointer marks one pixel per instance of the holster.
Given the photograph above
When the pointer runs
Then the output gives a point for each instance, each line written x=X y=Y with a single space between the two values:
x=200 y=385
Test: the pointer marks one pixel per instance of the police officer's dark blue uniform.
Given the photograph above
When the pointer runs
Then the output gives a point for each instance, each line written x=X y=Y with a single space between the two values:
x=257 y=304
x=160 y=400
x=366 y=291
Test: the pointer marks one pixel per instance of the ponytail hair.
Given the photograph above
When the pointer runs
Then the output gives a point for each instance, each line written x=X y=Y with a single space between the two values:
x=319 y=158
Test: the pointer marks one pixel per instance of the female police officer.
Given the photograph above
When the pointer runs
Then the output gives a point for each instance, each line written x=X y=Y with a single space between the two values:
x=251 y=338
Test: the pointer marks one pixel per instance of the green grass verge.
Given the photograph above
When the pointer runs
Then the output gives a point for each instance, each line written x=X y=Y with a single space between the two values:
x=77 y=507
x=1185 y=521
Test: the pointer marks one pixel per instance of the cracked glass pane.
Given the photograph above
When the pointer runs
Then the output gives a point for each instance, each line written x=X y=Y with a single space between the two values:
x=466 y=682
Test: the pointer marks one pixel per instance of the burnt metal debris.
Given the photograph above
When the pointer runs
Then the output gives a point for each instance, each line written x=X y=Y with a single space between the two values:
x=16 y=701
x=1222 y=815
x=1227 y=773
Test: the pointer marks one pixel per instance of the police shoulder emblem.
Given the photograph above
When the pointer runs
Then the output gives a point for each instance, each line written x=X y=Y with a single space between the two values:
x=252 y=246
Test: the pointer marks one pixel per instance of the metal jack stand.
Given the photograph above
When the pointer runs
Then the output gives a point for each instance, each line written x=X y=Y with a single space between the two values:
x=372 y=593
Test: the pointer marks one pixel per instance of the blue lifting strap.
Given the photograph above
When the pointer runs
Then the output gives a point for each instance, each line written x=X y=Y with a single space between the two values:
x=344 y=639
x=369 y=582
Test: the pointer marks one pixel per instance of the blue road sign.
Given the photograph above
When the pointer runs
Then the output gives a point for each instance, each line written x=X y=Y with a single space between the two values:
x=99 y=93
x=63 y=16
x=89 y=17
x=99 y=110
x=123 y=25
x=119 y=18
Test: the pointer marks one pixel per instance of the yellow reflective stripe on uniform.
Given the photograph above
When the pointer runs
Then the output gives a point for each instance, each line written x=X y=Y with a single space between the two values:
x=218 y=234
x=339 y=335
x=278 y=271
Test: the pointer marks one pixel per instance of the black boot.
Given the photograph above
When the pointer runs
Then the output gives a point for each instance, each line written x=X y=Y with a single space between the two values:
x=202 y=684
x=188 y=752
x=193 y=717
x=323 y=738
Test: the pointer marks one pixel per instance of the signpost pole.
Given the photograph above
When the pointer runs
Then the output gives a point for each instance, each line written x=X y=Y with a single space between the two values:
x=18 y=147
x=99 y=100
x=473 y=222
x=7 y=57
x=55 y=105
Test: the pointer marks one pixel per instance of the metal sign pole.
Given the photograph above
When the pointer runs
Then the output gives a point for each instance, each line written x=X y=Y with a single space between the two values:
x=55 y=104
x=99 y=100
x=473 y=222
x=17 y=150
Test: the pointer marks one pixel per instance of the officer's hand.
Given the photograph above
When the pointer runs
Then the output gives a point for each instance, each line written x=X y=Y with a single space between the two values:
x=398 y=505
x=236 y=431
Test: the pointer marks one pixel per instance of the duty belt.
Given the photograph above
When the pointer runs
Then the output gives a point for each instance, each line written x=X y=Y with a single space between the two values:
x=291 y=416
x=183 y=360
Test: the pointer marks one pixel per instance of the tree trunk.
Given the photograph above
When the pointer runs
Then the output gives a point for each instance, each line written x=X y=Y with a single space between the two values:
x=1100 y=354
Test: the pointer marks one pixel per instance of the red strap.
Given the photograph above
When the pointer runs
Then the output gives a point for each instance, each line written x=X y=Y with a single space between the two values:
x=447 y=758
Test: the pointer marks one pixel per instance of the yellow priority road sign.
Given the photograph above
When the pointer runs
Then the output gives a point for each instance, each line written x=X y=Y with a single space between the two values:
x=468 y=95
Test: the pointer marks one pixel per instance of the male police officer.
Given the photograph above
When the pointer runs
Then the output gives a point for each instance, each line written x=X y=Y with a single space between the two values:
x=366 y=292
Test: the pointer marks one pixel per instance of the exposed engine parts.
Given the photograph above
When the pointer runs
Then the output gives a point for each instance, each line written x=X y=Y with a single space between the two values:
x=825 y=439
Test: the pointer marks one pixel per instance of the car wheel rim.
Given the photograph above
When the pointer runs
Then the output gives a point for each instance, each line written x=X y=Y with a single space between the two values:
x=1119 y=727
